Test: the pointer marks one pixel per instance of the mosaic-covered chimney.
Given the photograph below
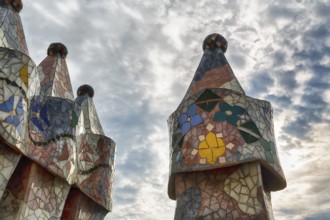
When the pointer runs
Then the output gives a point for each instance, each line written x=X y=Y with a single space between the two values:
x=55 y=161
x=224 y=162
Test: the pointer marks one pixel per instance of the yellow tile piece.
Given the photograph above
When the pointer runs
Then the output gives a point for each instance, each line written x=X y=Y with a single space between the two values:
x=23 y=73
x=203 y=145
x=211 y=148
x=211 y=139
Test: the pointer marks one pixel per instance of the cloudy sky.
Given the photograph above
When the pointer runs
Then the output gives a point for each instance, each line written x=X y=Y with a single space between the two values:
x=140 y=57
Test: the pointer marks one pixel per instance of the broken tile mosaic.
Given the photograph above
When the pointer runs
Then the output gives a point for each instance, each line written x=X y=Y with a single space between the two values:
x=222 y=146
x=55 y=161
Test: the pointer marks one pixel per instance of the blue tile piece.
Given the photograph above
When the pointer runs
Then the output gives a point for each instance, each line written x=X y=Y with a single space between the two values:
x=37 y=123
x=192 y=110
x=15 y=120
x=7 y=106
x=35 y=105
x=182 y=119
x=3 y=107
x=9 y=120
x=196 y=120
x=43 y=115
x=191 y=118
x=19 y=108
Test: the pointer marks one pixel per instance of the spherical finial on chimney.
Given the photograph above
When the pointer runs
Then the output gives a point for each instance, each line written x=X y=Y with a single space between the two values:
x=214 y=41
x=85 y=89
x=57 y=49
x=15 y=4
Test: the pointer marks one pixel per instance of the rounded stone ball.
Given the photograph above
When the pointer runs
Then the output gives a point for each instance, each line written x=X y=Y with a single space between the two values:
x=16 y=5
x=85 y=89
x=214 y=41
x=57 y=49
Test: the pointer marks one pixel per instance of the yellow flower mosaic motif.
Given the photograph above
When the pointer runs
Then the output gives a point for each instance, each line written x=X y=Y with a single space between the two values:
x=211 y=148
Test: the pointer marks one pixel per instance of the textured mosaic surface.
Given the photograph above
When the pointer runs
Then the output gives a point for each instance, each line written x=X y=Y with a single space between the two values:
x=79 y=206
x=11 y=33
x=230 y=193
x=53 y=151
x=33 y=193
x=8 y=162
x=217 y=127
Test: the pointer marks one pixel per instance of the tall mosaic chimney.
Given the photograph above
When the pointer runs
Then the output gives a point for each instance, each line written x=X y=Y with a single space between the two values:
x=55 y=161
x=224 y=162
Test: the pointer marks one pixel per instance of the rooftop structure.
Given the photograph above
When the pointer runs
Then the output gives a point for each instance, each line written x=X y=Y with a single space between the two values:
x=224 y=162
x=55 y=161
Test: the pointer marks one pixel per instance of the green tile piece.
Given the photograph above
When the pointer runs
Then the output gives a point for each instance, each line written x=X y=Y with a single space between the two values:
x=207 y=100
x=237 y=110
x=269 y=157
x=250 y=125
x=177 y=142
x=225 y=107
x=272 y=146
x=249 y=138
x=180 y=143
x=207 y=106
x=74 y=120
x=179 y=157
x=207 y=95
x=276 y=160
x=265 y=144
x=219 y=116
x=232 y=120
